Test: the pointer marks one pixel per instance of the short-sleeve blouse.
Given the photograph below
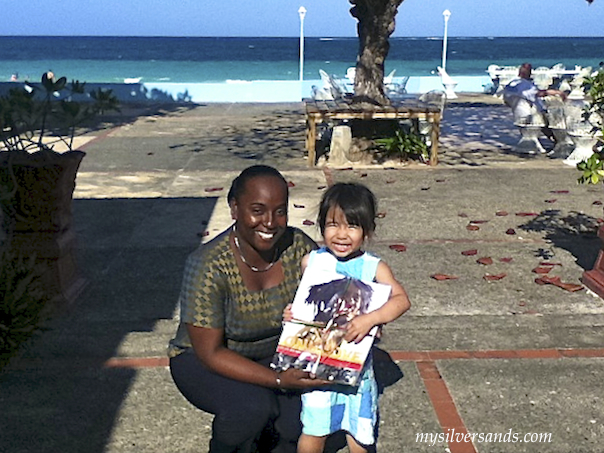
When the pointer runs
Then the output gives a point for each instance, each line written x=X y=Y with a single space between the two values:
x=213 y=295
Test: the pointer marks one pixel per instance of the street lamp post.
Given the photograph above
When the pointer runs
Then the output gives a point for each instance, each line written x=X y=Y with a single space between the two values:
x=302 y=13
x=446 y=14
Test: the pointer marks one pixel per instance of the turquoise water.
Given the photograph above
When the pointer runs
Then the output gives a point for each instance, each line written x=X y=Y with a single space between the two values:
x=209 y=60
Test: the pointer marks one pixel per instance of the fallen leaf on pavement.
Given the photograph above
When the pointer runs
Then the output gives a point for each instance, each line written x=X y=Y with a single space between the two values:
x=472 y=227
x=526 y=214
x=486 y=260
x=390 y=181
x=321 y=187
x=545 y=280
x=506 y=259
x=213 y=189
x=363 y=175
x=441 y=277
x=559 y=191
x=380 y=215
x=542 y=269
x=469 y=252
x=478 y=221
x=494 y=277
x=552 y=200
x=462 y=214
x=398 y=247
x=597 y=203
x=547 y=263
x=501 y=213
x=510 y=231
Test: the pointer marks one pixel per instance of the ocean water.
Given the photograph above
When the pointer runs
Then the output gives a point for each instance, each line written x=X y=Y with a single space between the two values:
x=218 y=60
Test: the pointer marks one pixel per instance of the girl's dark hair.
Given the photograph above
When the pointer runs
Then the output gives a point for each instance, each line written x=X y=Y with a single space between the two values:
x=238 y=184
x=356 y=201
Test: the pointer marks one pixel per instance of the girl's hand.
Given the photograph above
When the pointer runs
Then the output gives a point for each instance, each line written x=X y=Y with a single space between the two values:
x=358 y=328
x=297 y=379
x=287 y=313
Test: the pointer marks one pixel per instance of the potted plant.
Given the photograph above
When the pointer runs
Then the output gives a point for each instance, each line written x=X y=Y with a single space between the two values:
x=592 y=170
x=38 y=167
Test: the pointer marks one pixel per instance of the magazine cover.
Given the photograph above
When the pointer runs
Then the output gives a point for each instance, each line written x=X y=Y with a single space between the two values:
x=314 y=340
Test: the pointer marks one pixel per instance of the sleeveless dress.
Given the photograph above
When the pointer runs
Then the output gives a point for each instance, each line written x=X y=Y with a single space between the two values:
x=343 y=407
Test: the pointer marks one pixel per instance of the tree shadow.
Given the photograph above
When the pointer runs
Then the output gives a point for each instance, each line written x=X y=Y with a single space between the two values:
x=575 y=232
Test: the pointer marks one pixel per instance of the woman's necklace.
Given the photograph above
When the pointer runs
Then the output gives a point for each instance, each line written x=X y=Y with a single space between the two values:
x=253 y=268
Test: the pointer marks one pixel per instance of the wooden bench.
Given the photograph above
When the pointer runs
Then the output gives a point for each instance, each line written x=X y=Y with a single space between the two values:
x=318 y=111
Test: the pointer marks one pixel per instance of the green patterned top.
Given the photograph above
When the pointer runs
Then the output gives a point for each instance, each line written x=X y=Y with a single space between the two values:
x=213 y=295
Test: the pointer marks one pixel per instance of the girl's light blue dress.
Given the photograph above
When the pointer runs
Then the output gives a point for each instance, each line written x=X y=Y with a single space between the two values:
x=344 y=407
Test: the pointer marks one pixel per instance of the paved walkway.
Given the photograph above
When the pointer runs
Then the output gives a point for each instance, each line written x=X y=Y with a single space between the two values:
x=505 y=357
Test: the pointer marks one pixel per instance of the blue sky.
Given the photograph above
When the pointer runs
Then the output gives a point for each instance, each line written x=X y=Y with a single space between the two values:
x=325 y=18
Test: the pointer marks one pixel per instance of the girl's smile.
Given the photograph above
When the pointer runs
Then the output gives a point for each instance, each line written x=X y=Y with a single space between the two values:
x=341 y=237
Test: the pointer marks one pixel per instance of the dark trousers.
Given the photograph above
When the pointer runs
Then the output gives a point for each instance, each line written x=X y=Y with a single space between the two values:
x=247 y=418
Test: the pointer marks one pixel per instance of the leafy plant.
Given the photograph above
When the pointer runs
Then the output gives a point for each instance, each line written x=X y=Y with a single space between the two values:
x=592 y=169
x=404 y=146
x=35 y=117
x=22 y=301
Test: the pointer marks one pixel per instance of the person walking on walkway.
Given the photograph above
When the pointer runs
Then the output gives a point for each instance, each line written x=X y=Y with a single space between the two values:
x=233 y=294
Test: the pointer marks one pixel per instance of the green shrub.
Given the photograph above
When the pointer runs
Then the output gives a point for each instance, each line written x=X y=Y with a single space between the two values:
x=22 y=301
x=404 y=146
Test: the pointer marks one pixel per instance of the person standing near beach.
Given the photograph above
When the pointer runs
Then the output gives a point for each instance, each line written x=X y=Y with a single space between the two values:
x=347 y=219
x=233 y=294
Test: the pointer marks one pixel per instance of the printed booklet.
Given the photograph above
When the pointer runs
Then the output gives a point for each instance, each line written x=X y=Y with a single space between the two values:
x=314 y=340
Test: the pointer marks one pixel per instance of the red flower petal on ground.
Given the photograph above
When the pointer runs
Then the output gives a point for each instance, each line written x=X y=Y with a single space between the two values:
x=542 y=269
x=308 y=222
x=321 y=187
x=290 y=184
x=390 y=181
x=506 y=259
x=477 y=222
x=472 y=227
x=398 y=247
x=213 y=189
x=547 y=263
x=510 y=231
x=469 y=252
x=345 y=169
x=501 y=213
x=552 y=200
x=441 y=277
x=560 y=191
x=597 y=203
x=462 y=214
x=494 y=277
x=298 y=206
x=440 y=180
x=486 y=260
x=380 y=215
x=526 y=214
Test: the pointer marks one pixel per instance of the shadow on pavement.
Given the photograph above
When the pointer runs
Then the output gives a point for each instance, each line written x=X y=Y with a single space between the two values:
x=57 y=395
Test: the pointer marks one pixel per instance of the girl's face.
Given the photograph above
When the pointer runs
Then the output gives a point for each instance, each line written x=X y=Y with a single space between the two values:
x=261 y=212
x=340 y=237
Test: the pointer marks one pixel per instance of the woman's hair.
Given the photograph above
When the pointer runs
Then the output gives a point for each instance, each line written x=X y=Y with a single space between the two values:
x=238 y=184
x=356 y=201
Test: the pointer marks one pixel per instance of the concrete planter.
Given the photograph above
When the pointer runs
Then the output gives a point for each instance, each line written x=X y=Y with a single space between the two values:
x=594 y=279
x=37 y=191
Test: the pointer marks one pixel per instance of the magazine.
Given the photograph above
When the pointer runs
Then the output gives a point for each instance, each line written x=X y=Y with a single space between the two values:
x=313 y=340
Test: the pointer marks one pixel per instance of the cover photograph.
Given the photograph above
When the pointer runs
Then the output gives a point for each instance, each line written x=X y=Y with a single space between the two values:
x=314 y=340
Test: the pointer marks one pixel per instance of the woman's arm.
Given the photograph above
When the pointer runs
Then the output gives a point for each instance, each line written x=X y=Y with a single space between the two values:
x=208 y=345
x=397 y=304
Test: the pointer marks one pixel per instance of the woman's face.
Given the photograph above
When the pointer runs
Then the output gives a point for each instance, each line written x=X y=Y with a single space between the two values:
x=261 y=212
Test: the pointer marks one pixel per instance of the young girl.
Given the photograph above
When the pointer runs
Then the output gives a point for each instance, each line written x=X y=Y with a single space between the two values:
x=347 y=219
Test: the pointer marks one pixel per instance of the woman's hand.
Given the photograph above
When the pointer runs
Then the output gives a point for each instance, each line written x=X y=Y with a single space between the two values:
x=292 y=379
x=287 y=313
x=358 y=328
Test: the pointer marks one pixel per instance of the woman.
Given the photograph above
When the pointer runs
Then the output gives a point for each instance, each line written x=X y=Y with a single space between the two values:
x=234 y=291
